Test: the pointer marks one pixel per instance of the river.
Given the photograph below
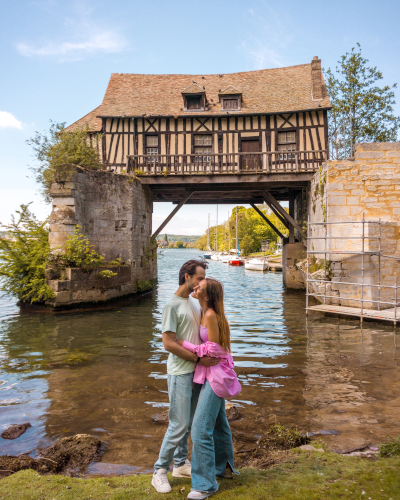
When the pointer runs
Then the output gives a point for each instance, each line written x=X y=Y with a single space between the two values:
x=103 y=372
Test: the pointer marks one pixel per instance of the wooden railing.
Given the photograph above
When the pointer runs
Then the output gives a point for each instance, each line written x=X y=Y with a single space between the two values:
x=225 y=163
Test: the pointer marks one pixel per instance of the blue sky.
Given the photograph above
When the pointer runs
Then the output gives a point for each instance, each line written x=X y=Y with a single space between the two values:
x=57 y=57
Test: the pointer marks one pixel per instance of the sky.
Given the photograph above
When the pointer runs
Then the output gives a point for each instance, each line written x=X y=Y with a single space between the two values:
x=57 y=56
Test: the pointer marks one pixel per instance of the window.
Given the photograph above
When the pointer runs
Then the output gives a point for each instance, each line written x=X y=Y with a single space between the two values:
x=231 y=103
x=287 y=142
x=152 y=146
x=203 y=146
x=193 y=102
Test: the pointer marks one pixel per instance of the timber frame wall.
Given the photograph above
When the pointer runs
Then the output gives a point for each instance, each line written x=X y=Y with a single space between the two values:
x=123 y=136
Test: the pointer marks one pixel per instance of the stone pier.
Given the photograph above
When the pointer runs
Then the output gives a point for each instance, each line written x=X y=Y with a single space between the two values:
x=114 y=212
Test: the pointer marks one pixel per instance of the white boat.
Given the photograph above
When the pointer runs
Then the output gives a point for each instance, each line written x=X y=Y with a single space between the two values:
x=256 y=265
x=225 y=258
x=216 y=256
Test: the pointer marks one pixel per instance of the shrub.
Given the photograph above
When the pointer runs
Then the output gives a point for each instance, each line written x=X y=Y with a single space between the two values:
x=391 y=448
x=59 y=152
x=106 y=274
x=23 y=258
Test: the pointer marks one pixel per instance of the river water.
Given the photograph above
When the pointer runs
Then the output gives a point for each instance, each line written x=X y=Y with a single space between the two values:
x=103 y=372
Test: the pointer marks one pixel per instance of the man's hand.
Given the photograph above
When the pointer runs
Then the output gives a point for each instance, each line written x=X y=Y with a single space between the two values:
x=208 y=361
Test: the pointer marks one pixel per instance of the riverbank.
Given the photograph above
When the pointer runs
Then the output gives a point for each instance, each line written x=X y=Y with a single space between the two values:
x=299 y=476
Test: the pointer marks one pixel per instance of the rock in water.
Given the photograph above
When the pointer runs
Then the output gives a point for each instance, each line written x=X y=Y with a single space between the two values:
x=15 y=431
x=73 y=452
x=161 y=418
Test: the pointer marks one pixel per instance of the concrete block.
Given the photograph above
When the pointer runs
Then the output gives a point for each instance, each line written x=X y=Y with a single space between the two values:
x=390 y=146
x=393 y=154
x=336 y=200
x=352 y=200
x=63 y=201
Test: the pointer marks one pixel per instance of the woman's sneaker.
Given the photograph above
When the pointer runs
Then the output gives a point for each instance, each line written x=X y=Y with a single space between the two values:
x=160 y=481
x=198 y=495
x=184 y=470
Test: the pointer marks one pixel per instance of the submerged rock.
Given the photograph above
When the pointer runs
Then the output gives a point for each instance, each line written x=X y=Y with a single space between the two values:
x=15 y=431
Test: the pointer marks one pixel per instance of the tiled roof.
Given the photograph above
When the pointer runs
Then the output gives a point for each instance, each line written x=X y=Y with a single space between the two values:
x=193 y=89
x=230 y=90
x=277 y=90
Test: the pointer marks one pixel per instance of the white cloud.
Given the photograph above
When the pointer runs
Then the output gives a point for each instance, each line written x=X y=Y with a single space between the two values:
x=84 y=37
x=7 y=120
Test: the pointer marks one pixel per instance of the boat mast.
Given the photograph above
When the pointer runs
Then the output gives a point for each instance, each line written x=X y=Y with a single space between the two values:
x=208 y=234
x=216 y=233
x=237 y=233
x=229 y=235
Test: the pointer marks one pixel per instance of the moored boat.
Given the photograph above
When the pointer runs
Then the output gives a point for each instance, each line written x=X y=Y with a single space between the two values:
x=256 y=264
x=207 y=256
x=236 y=261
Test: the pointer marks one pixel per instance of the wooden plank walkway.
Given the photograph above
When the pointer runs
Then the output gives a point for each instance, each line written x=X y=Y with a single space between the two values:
x=385 y=315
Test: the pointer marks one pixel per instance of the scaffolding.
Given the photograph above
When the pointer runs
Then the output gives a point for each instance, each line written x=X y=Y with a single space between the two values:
x=383 y=312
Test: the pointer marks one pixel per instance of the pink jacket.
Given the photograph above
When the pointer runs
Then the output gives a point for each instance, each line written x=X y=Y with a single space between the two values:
x=222 y=377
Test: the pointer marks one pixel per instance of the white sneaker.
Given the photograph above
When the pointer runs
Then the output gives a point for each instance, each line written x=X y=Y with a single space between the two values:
x=198 y=495
x=160 y=481
x=184 y=470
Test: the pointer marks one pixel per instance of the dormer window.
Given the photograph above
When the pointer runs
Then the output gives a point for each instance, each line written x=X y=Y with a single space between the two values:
x=193 y=102
x=194 y=98
x=231 y=99
x=230 y=103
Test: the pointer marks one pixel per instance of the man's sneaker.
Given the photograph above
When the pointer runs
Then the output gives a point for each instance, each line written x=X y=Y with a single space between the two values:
x=228 y=473
x=198 y=495
x=160 y=481
x=184 y=470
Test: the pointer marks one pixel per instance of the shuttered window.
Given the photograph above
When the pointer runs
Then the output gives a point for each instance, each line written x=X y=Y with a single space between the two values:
x=193 y=102
x=231 y=103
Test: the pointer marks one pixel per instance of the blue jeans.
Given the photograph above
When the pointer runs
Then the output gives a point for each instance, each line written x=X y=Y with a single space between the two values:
x=212 y=441
x=183 y=395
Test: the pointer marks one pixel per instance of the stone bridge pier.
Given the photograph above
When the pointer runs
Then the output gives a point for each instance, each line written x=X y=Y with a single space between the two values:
x=115 y=213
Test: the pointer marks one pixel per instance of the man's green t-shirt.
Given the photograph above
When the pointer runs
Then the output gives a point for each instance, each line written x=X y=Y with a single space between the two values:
x=181 y=316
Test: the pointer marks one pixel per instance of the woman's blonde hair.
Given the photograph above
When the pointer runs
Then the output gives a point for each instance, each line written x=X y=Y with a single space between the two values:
x=215 y=296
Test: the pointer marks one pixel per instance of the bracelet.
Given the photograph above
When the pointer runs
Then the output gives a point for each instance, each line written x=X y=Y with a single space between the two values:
x=198 y=359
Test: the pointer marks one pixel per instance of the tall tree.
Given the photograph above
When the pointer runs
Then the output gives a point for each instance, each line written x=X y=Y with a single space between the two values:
x=361 y=110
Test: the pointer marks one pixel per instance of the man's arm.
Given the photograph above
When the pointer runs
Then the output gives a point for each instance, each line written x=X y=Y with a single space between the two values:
x=171 y=346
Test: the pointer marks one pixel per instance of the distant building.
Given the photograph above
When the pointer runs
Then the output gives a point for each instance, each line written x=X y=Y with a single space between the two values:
x=265 y=246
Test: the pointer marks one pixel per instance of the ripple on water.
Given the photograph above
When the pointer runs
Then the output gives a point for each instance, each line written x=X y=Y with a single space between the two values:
x=96 y=371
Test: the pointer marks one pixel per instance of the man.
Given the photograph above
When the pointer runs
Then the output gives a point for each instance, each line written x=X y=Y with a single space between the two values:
x=180 y=320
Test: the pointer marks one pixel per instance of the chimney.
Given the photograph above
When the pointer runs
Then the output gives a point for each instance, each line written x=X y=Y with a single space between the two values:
x=316 y=78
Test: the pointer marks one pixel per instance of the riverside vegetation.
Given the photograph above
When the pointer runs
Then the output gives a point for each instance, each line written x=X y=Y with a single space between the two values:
x=252 y=230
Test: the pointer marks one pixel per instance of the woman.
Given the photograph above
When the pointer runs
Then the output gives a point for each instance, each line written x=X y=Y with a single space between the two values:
x=212 y=452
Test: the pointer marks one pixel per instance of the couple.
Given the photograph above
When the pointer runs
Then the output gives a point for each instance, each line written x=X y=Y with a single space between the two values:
x=200 y=375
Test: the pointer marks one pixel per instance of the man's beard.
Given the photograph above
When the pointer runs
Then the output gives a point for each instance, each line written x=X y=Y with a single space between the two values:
x=190 y=287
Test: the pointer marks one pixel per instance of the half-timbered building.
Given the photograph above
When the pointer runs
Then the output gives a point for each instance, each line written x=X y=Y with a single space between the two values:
x=270 y=120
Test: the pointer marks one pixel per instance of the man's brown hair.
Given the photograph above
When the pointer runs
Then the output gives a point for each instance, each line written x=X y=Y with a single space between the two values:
x=189 y=267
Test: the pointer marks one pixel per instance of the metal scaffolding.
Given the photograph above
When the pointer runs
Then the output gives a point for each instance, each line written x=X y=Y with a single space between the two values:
x=387 y=314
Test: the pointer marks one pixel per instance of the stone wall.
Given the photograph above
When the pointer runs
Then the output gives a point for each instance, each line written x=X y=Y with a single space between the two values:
x=114 y=212
x=342 y=191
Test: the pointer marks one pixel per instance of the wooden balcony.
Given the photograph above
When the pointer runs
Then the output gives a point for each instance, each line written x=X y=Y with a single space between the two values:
x=271 y=162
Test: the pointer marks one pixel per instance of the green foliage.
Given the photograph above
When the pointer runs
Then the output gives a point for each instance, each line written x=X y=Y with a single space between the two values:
x=76 y=252
x=145 y=286
x=58 y=152
x=252 y=230
x=391 y=448
x=361 y=111
x=282 y=438
x=23 y=258
x=179 y=244
x=138 y=173
x=106 y=274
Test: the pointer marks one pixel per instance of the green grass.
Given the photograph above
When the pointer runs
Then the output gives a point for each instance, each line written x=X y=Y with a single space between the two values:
x=303 y=476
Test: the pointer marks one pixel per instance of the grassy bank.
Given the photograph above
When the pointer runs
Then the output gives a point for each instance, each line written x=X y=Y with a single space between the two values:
x=299 y=476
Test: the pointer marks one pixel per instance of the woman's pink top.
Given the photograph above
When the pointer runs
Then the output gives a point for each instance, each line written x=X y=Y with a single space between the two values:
x=222 y=377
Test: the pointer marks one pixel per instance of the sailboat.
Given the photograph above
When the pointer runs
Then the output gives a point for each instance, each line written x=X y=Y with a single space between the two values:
x=208 y=254
x=236 y=260
x=216 y=254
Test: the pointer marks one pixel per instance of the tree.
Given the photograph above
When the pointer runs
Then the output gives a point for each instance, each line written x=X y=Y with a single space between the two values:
x=23 y=258
x=361 y=111
x=166 y=238
x=59 y=152
x=179 y=244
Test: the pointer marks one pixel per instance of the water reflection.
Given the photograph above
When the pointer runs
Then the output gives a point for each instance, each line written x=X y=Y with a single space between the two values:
x=104 y=372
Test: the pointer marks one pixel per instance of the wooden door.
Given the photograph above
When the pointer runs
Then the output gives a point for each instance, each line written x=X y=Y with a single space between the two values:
x=250 y=161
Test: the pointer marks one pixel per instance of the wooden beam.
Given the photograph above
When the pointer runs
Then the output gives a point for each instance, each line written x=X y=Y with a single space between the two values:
x=275 y=212
x=267 y=221
x=174 y=211
x=283 y=212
